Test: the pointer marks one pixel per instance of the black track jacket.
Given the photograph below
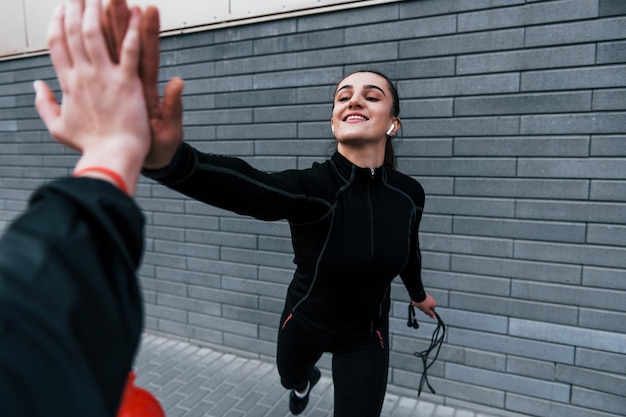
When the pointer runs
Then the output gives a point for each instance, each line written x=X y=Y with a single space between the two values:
x=70 y=307
x=353 y=229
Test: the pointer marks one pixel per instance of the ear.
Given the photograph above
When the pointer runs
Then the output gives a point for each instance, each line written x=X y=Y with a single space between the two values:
x=397 y=124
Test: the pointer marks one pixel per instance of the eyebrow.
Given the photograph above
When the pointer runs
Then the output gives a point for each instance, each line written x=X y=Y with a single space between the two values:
x=367 y=87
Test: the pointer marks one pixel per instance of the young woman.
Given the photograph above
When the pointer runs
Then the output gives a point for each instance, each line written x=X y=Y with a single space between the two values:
x=354 y=222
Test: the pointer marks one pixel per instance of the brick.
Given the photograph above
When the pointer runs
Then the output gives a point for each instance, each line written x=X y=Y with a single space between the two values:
x=569 y=295
x=462 y=244
x=603 y=320
x=574 y=168
x=290 y=114
x=247 y=286
x=604 y=277
x=609 y=403
x=529 y=15
x=475 y=321
x=8 y=126
x=482 y=167
x=611 y=53
x=466 y=282
x=531 y=310
x=520 y=229
x=539 y=407
x=523 y=104
x=523 y=188
x=571 y=211
x=589 y=338
x=348 y=17
x=471 y=206
x=610 y=146
x=598 y=381
x=527 y=59
x=497 y=40
x=460 y=86
x=406 y=29
x=297 y=79
x=532 y=368
x=485 y=360
x=435 y=7
x=612 y=7
x=516 y=268
x=606 y=235
x=299 y=42
x=600 y=360
x=563 y=79
x=554 y=391
x=577 y=32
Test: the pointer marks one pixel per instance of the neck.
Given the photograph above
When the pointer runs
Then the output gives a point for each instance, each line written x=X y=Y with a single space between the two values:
x=363 y=157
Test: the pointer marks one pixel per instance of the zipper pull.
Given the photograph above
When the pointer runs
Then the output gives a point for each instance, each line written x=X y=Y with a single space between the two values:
x=373 y=172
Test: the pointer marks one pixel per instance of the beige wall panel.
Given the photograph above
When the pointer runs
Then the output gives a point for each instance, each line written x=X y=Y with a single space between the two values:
x=12 y=27
x=23 y=23
x=38 y=13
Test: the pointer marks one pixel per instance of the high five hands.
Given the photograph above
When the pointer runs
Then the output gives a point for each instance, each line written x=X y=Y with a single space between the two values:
x=102 y=112
x=165 y=115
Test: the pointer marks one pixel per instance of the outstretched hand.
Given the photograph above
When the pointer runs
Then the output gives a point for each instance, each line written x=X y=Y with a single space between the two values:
x=103 y=112
x=165 y=115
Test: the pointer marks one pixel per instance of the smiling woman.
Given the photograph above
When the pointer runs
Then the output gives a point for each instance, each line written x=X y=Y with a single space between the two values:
x=354 y=222
x=366 y=110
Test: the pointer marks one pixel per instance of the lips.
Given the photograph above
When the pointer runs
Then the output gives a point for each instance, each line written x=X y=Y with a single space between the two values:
x=355 y=117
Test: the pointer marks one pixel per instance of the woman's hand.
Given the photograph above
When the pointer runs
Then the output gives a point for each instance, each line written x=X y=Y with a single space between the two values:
x=427 y=306
x=102 y=112
x=166 y=115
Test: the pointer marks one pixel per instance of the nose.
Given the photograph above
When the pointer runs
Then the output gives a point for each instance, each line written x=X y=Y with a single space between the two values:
x=355 y=101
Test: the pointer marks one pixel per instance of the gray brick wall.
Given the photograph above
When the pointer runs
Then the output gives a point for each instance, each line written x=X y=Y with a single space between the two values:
x=514 y=120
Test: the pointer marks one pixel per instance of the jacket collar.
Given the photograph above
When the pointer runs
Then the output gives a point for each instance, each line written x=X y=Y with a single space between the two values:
x=347 y=169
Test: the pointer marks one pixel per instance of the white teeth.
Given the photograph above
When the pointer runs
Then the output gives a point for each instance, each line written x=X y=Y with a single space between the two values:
x=355 y=117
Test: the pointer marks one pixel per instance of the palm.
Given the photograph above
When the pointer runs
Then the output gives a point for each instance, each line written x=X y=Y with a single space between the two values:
x=165 y=115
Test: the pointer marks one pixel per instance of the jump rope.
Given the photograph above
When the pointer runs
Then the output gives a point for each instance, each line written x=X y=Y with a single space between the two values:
x=436 y=341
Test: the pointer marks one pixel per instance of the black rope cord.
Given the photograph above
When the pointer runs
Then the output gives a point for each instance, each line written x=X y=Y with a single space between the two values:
x=435 y=345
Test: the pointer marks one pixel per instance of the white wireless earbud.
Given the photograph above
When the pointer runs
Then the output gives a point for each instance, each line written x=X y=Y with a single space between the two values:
x=390 y=129
x=332 y=128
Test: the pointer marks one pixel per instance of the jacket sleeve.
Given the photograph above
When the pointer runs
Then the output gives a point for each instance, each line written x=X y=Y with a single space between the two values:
x=70 y=306
x=233 y=184
x=412 y=273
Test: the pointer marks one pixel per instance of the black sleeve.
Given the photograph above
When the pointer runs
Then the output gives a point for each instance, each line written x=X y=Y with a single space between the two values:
x=412 y=273
x=232 y=184
x=70 y=306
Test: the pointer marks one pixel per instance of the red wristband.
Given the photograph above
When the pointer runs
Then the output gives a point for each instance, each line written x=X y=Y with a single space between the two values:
x=117 y=178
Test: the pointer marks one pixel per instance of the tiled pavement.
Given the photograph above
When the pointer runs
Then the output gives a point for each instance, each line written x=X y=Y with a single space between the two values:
x=194 y=381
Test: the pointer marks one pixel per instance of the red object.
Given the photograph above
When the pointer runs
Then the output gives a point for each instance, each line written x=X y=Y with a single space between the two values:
x=138 y=402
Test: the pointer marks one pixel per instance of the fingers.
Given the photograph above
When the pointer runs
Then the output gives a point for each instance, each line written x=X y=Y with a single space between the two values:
x=149 y=66
x=57 y=45
x=172 y=102
x=73 y=31
x=131 y=48
x=118 y=16
x=93 y=39
x=46 y=104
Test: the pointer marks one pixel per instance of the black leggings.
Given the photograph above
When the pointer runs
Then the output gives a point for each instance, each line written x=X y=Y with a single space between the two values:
x=359 y=366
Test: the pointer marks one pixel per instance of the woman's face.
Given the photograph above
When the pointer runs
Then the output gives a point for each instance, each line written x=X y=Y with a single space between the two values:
x=362 y=109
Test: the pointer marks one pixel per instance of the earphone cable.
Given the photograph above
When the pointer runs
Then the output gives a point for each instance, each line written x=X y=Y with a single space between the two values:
x=436 y=341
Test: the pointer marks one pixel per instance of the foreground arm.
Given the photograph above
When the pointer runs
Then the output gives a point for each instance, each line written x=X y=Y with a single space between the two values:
x=70 y=307
x=70 y=312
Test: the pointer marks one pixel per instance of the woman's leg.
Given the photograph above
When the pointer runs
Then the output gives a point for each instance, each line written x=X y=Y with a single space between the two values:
x=360 y=375
x=299 y=348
